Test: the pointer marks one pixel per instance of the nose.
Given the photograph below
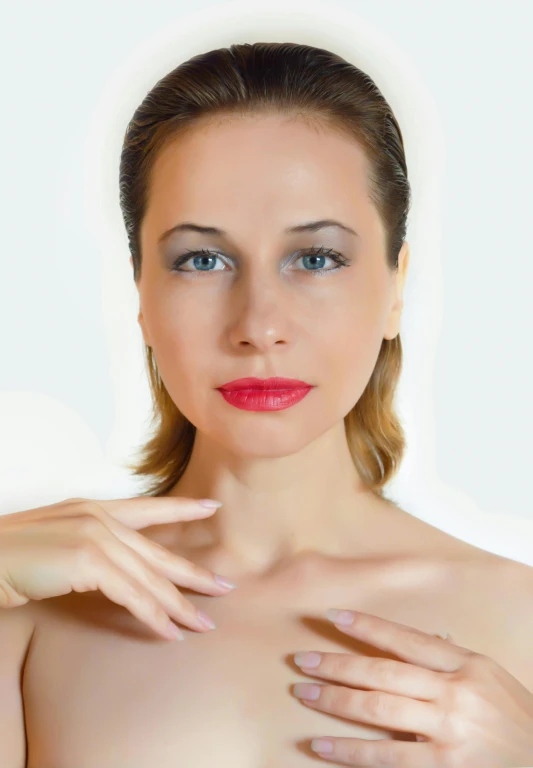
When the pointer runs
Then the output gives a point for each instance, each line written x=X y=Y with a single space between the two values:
x=262 y=314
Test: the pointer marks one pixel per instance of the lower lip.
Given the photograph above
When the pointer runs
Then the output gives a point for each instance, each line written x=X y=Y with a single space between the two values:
x=264 y=399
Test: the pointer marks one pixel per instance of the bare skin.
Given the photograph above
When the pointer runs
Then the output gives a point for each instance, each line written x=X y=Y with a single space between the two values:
x=286 y=478
x=101 y=691
x=298 y=530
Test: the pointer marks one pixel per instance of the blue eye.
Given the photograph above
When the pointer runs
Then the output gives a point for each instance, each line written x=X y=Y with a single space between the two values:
x=314 y=257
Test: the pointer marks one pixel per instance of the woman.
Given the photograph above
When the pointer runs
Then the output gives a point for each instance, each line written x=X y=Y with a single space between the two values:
x=265 y=195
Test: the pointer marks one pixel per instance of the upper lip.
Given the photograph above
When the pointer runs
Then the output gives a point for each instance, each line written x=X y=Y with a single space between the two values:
x=273 y=383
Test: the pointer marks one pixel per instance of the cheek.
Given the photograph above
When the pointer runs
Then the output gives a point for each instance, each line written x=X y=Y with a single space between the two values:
x=179 y=323
x=351 y=353
x=180 y=343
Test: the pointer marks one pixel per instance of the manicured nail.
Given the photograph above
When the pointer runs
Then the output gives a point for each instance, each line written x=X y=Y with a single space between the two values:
x=340 y=617
x=310 y=660
x=322 y=745
x=307 y=691
x=204 y=619
x=174 y=632
x=224 y=582
x=210 y=503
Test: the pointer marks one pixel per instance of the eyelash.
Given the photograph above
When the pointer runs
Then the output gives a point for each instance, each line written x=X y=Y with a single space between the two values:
x=338 y=258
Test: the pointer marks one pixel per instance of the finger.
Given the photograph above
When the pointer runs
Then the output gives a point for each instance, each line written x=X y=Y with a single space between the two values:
x=142 y=511
x=94 y=533
x=96 y=571
x=366 y=752
x=376 y=674
x=178 y=569
x=136 y=512
x=386 y=710
x=406 y=642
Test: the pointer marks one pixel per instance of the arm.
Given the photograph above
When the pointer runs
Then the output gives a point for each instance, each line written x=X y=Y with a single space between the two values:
x=16 y=630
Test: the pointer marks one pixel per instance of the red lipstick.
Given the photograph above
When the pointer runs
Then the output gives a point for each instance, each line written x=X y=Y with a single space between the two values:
x=273 y=394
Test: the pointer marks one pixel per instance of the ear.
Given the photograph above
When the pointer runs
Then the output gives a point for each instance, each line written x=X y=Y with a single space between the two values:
x=398 y=283
x=146 y=335
x=140 y=319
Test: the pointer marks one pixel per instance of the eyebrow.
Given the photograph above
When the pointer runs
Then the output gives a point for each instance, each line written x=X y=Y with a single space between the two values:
x=310 y=226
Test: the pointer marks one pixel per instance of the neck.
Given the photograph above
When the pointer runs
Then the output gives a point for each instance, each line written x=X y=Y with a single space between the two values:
x=277 y=507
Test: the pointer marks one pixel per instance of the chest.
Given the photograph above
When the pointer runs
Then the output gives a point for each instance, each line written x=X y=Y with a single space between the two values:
x=100 y=692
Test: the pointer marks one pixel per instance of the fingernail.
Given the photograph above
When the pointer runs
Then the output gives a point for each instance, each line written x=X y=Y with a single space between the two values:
x=322 y=745
x=340 y=617
x=310 y=660
x=204 y=619
x=307 y=691
x=210 y=503
x=174 y=632
x=224 y=582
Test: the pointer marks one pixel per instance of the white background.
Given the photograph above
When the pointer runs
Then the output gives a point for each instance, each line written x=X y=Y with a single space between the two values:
x=58 y=406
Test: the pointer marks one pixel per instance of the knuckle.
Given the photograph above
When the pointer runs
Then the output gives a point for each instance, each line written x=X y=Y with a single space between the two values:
x=454 y=711
x=81 y=505
x=163 y=586
x=375 y=705
x=468 y=695
x=145 y=605
x=157 y=584
x=153 y=581
x=160 y=554
x=134 y=598
x=468 y=683
x=142 y=601
x=382 y=670
x=87 y=553
x=91 y=508
x=355 y=753
x=337 y=665
x=148 y=606
x=87 y=524
x=388 y=754
x=421 y=640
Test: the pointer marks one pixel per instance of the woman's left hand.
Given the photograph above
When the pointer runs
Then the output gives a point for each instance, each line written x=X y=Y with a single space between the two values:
x=465 y=709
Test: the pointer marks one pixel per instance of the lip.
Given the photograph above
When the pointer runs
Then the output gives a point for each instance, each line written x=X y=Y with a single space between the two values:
x=273 y=384
x=264 y=399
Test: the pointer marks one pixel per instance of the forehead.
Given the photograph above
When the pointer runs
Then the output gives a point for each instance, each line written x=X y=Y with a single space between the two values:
x=264 y=170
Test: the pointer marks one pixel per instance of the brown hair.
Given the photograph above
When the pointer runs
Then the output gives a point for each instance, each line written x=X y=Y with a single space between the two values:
x=295 y=80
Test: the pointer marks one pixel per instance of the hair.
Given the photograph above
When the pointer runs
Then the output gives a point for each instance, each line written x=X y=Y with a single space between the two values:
x=307 y=83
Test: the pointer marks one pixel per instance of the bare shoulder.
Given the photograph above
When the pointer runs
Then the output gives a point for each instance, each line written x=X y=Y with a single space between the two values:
x=508 y=585
x=410 y=535
x=491 y=596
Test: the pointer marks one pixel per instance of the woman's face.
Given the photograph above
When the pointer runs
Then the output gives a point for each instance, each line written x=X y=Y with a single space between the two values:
x=256 y=305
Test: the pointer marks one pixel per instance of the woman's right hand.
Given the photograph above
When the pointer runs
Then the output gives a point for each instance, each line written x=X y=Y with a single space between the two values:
x=82 y=545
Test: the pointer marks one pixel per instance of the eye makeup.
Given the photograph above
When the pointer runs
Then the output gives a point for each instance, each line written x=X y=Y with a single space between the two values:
x=318 y=253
